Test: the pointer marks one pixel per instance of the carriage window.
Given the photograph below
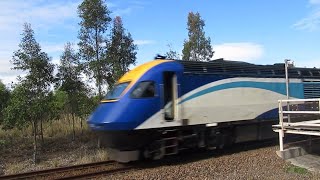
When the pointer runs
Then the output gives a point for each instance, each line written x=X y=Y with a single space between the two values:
x=143 y=90
x=116 y=91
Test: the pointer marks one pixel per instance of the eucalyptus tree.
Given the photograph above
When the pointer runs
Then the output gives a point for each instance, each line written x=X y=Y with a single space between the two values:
x=17 y=112
x=86 y=105
x=172 y=54
x=197 y=47
x=36 y=84
x=121 y=51
x=95 y=19
x=4 y=98
x=69 y=80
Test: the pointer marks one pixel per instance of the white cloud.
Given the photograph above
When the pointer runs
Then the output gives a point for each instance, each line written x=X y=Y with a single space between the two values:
x=55 y=60
x=309 y=63
x=312 y=21
x=15 y=13
x=53 y=22
x=143 y=42
x=314 y=1
x=6 y=74
x=48 y=19
x=121 y=12
x=140 y=3
x=309 y=23
x=52 y=48
x=243 y=51
x=5 y=67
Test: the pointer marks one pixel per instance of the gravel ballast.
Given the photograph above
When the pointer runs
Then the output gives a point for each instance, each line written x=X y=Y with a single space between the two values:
x=262 y=163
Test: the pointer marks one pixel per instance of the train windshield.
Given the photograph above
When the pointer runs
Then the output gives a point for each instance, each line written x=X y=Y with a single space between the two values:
x=116 y=91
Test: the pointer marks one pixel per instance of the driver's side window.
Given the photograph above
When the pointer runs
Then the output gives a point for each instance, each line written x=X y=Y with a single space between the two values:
x=144 y=89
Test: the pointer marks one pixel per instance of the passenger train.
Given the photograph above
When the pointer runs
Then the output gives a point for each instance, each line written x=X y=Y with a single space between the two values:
x=164 y=106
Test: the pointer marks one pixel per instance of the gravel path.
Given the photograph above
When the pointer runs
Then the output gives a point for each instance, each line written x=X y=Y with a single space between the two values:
x=260 y=163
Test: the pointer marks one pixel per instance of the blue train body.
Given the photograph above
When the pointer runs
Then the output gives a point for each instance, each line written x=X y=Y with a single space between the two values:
x=127 y=113
x=164 y=106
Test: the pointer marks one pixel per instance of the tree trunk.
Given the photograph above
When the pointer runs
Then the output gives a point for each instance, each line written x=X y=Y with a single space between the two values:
x=41 y=129
x=99 y=85
x=67 y=117
x=32 y=128
x=99 y=142
x=98 y=68
x=81 y=126
x=35 y=153
x=73 y=130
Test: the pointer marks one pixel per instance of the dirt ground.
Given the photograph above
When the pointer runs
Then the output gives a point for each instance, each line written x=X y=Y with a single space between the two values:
x=243 y=163
x=260 y=163
x=17 y=156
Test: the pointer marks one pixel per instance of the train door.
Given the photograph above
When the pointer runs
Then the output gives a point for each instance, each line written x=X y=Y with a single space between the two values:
x=170 y=95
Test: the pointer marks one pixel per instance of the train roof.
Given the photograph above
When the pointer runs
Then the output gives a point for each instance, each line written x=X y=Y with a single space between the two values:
x=239 y=68
x=138 y=71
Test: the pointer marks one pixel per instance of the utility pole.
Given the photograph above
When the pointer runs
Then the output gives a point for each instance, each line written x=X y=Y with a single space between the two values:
x=288 y=63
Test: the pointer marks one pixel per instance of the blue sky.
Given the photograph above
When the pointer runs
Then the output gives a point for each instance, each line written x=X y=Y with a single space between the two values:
x=263 y=32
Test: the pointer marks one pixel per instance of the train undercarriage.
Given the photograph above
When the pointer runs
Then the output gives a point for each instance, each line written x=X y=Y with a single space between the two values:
x=126 y=146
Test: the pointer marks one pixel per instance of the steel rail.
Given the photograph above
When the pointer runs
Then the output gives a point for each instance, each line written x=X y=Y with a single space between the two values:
x=46 y=172
x=98 y=173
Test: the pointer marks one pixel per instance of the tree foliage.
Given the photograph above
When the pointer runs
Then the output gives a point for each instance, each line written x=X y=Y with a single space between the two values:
x=69 y=81
x=121 y=51
x=95 y=19
x=23 y=108
x=58 y=102
x=172 y=54
x=197 y=47
x=36 y=63
x=34 y=88
x=86 y=105
x=4 y=98
x=69 y=71
x=30 y=58
x=103 y=55
x=20 y=101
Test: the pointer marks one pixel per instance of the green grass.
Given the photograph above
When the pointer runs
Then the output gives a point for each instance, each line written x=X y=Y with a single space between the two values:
x=296 y=169
x=3 y=142
x=58 y=148
x=55 y=128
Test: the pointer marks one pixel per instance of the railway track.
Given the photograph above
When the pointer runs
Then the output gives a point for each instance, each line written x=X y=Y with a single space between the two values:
x=73 y=172
x=99 y=169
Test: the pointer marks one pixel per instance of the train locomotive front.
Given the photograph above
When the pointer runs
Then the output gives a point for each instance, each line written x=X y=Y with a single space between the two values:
x=120 y=119
x=165 y=106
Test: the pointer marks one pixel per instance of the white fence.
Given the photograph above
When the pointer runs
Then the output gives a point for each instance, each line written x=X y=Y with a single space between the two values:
x=306 y=127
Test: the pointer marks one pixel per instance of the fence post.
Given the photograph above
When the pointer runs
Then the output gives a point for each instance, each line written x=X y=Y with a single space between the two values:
x=281 y=134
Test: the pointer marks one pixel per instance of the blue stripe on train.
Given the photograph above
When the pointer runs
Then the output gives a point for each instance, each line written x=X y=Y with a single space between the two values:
x=296 y=89
x=271 y=114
